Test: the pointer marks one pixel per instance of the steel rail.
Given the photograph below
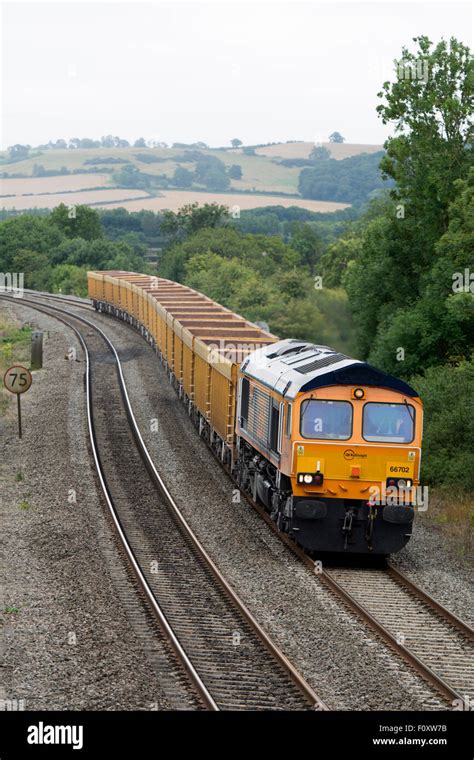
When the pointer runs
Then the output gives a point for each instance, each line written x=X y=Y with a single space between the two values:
x=160 y=615
x=429 y=600
x=391 y=640
x=80 y=302
x=421 y=667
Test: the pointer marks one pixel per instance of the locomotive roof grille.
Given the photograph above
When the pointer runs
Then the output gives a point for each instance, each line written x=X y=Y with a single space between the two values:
x=286 y=350
x=325 y=361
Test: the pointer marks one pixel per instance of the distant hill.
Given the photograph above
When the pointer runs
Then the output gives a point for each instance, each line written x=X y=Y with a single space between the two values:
x=112 y=175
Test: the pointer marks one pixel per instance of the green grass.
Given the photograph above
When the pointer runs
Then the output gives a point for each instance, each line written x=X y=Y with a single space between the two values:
x=15 y=342
x=453 y=513
x=10 y=610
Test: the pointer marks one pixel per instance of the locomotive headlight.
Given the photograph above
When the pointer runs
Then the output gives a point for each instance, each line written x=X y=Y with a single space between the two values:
x=308 y=478
x=402 y=483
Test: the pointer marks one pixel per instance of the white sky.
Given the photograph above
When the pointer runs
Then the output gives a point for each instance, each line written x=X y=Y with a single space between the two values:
x=188 y=71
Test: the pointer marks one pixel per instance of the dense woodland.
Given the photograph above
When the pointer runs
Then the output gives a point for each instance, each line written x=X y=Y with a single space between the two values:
x=387 y=281
x=352 y=180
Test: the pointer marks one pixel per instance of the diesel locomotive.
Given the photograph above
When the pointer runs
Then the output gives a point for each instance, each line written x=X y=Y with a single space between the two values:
x=329 y=445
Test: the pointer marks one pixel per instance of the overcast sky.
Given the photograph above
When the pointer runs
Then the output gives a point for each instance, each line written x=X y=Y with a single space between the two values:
x=184 y=72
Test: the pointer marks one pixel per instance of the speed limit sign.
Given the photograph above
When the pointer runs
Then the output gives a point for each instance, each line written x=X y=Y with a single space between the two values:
x=17 y=379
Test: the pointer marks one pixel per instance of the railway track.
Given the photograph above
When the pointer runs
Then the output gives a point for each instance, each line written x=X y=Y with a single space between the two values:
x=429 y=637
x=426 y=635
x=437 y=644
x=227 y=656
x=83 y=303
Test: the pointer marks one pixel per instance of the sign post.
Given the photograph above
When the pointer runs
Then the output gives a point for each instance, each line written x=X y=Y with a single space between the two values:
x=18 y=379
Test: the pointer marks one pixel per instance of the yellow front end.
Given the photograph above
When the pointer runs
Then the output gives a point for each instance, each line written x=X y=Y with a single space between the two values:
x=350 y=465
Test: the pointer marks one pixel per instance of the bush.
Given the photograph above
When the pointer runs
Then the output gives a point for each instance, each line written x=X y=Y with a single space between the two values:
x=294 y=162
x=106 y=160
x=235 y=171
x=149 y=158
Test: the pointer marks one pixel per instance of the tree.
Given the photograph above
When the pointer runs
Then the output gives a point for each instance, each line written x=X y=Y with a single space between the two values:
x=236 y=143
x=401 y=281
x=107 y=141
x=351 y=180
x=336 y=259
x=217 y=179
x=430 y=103
x=211 y=172
x=38 y=170
x=131 y=176
x=319 y=153
x=18 y=152
x=86 y=142
x=192 y=218
x=336 y=137
x=448 y=434
x=26 y=232
x=235 y=171
x=81 y=221
x=182 y=177
x=317 y=316
x=308 y=244
x=441 y=322
x=35 y=267
x=263 y=254
x=67 y=278
x=140 y=143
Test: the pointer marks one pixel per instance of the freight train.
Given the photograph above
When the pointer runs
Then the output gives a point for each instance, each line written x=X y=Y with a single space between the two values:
x=329 y=445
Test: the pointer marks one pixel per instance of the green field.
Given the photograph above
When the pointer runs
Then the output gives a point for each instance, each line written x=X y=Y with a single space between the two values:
x=261 y=173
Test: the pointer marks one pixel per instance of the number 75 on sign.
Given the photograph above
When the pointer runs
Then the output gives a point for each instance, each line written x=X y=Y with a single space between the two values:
x=17 y=379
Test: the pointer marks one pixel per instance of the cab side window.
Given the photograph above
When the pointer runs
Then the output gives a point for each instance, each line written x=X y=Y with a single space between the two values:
x=288 y=421
x=244 y=402
x=274 y=425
